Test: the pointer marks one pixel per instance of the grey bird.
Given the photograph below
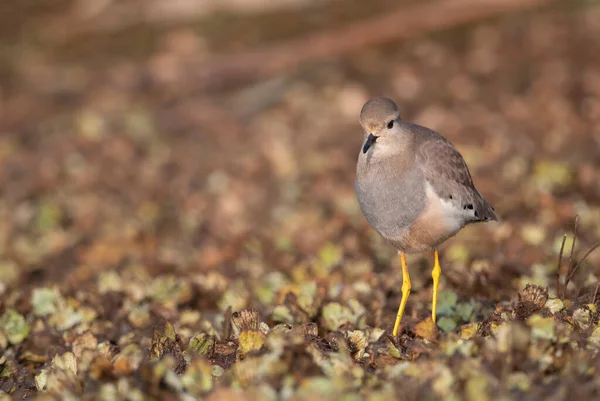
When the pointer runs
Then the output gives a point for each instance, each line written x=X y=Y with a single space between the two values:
x=414 y=188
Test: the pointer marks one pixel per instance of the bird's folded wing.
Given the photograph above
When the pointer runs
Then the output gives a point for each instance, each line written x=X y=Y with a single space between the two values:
x=446 y=171
x=443 y=167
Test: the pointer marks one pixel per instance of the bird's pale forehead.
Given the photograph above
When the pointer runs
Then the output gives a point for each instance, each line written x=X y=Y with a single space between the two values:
x=378 y=109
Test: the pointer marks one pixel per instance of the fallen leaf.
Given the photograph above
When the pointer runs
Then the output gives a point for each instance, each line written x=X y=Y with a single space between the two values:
x=251 y=341
x=426 y=329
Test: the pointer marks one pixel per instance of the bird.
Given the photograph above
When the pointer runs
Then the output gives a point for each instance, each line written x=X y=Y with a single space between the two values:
x=414 y=188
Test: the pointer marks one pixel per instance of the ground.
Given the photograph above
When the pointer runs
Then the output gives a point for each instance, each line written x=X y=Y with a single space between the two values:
x=168 y=237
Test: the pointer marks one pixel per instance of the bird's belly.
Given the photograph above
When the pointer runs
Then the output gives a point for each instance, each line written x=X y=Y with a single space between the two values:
x=436 y=224
x=390 y=210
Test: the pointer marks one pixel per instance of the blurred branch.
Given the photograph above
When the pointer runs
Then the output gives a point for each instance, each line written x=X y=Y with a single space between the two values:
x=108 y=15
x=287 y=56
x=398 y=24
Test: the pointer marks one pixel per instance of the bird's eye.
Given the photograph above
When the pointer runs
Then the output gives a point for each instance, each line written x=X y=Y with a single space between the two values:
x=390 y=124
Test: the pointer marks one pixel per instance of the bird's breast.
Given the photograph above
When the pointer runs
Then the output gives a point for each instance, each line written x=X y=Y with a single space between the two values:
x=391 y=200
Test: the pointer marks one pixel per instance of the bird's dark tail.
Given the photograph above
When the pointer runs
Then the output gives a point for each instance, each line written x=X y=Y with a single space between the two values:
x=486 y=212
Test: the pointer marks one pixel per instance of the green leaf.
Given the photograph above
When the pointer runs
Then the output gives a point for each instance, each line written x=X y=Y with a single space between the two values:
x=465 y=310
x=447 y=324
x=45 y=301
x=48 y=217
x=14 y=326
x=446 y=303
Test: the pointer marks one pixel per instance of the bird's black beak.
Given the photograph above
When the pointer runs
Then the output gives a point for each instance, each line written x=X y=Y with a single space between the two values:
x=370 y=141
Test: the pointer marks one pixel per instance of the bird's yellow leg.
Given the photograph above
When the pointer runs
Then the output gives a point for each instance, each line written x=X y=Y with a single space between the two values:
x=405 y=292
x=435 y=274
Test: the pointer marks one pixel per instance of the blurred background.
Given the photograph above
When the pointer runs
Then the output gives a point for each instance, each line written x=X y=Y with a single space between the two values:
x=164 y=157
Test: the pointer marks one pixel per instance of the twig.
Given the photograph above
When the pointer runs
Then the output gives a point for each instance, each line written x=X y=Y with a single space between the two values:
x=571 y=272
x=574 y=238
x=560 y=255
x=595 y=293
x=571 y=256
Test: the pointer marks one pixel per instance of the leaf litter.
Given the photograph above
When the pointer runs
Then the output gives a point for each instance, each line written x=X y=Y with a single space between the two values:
x=139 y=261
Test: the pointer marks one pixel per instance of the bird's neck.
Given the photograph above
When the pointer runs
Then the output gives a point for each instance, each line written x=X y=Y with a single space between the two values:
x=398 y=147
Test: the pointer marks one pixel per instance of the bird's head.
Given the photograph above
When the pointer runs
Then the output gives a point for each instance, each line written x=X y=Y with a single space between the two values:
x=379 y=119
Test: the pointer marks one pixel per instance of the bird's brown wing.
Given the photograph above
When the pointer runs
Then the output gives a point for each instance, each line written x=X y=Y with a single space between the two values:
x=446 y=171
